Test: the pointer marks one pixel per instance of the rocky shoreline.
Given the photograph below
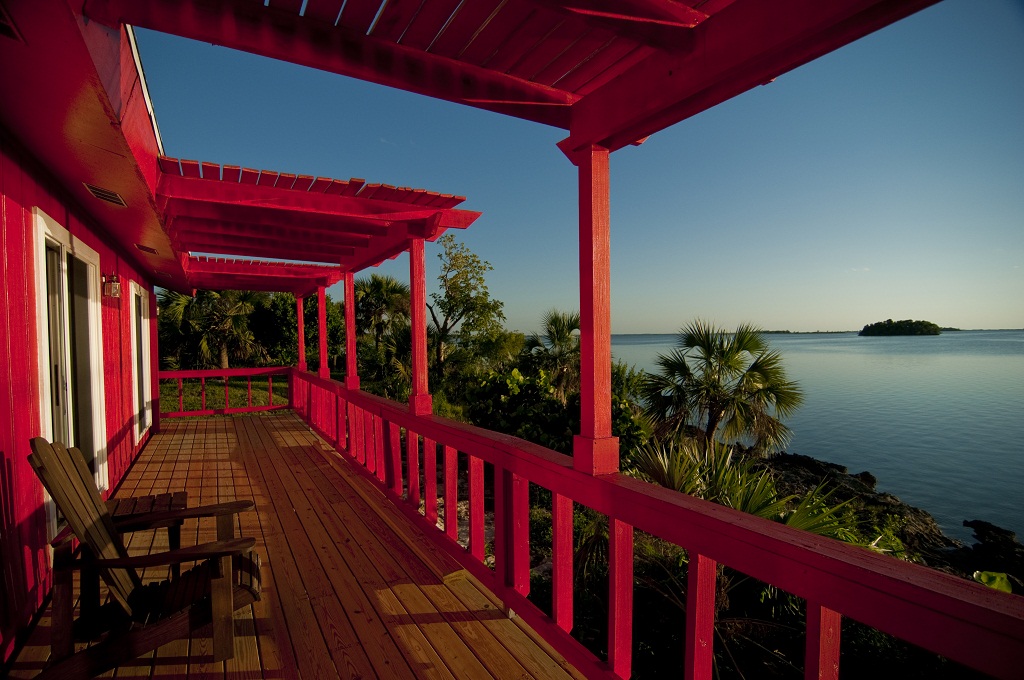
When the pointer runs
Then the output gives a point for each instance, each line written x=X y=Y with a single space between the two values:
x=996 y=549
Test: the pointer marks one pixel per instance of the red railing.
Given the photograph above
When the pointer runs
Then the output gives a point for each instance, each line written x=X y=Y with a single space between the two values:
x=187 y=390
x=958 y=619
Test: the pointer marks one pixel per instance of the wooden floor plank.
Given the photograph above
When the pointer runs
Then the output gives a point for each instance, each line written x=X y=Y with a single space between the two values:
x=351 y=587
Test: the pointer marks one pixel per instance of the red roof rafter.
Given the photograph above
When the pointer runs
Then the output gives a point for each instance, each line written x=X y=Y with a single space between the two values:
x=342 y=49
x=207 y=208
x=211 y=273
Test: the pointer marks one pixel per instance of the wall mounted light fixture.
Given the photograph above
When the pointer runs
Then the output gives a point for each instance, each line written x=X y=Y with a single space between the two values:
x=111 y=286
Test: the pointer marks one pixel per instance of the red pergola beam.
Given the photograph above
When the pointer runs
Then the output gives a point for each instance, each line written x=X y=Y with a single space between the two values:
x=745 y=45
x=173 y=191
x=251 y=27
x=185 y=227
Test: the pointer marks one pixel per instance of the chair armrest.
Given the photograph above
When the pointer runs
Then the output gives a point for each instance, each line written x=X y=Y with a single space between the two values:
x=151 y=520
x=234 y=546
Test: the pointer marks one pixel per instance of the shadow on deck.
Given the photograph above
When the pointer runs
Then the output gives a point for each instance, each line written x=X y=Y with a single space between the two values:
x=351 y=588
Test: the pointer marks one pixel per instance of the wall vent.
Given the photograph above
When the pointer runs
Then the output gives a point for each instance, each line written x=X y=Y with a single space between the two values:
x=7 y=27
x=146 y=249
x=106 y=195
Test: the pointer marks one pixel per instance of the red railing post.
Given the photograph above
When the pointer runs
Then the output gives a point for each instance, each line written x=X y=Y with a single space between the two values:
x=620 y=597
x=476 y=507
x=821 y=658
x=430 y=480
x=517 y=507
x=412 y=462
x=451 y=493
x=700 y=617
x=379 y=446
x=561 y=561
x=393 y=465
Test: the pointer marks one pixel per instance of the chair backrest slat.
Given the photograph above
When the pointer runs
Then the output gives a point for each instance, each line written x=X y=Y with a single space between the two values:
x=66 y=476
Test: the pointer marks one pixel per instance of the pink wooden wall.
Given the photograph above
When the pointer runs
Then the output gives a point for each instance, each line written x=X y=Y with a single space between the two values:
x=24 y=560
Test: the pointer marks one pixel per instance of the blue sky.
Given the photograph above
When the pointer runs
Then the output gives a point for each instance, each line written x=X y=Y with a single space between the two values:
x=885 y=180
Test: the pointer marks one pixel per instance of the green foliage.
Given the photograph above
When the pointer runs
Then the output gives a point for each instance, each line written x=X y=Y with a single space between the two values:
x=729 y=385
x=556 y=351
x=208 y=330
x=524 y=406
x=905 y=327
x=994 y=579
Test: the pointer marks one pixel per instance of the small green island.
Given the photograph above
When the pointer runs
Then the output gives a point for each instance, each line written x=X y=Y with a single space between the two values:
x=905 y=327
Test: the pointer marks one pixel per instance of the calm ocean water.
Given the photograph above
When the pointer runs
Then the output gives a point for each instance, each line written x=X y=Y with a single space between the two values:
x=939 y=420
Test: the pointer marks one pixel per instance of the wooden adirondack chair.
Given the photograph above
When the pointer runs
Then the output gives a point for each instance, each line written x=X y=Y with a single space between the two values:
x=139 y=617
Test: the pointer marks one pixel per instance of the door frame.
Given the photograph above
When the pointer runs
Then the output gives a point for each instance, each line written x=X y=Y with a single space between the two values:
x=45 y=230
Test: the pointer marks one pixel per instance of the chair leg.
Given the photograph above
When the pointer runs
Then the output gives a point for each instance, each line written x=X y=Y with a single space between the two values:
x=222 y=609
x=62 y=640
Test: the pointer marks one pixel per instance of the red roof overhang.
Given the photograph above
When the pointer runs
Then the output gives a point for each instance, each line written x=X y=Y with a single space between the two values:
x=611 y=72
x=72 y=94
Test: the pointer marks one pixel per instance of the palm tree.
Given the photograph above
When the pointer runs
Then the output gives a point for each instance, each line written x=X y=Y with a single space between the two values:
x=728 y=385
x=381 y=302
x=557 y=351
x=210 y=327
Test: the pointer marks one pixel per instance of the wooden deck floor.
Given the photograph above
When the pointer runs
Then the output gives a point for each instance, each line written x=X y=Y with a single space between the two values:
x=351 y=588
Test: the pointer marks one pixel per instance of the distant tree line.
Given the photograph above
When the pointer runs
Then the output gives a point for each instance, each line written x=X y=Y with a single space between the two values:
x=905 y=327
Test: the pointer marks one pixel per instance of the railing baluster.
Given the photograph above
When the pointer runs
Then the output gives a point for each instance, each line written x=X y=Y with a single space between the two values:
x=451 y=492
x=181 y=396
x=412 y=456
x=378 y=445
x=393 y=465
x=202 y=391
x=700 y=616
x=821 y=659
x=476 y=507
x=561 y=561
x=430 y=480
x=227 y=382
x=339 y=423
x=620 y=597
x=518 y=503
x=270 y=390
x=369 y=450
x=248 y=391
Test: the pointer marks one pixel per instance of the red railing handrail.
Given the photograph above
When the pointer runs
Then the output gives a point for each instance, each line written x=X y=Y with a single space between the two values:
x=956 y=618
x=224 y=372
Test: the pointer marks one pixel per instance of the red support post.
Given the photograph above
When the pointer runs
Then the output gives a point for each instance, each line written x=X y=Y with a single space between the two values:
x=700 y=617
x=620 y=597
x=821 y=659
x=419 y=400
x=154 y=362
x=595 y=450
x=561 y=561
x=301 y=333
x=351 y=367
x=321 y=314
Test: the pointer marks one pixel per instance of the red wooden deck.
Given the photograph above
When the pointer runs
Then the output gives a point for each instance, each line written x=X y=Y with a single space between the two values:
x=351 y=588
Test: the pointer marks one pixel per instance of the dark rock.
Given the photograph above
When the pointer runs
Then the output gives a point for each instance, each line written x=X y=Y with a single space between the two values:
x=868 y=479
